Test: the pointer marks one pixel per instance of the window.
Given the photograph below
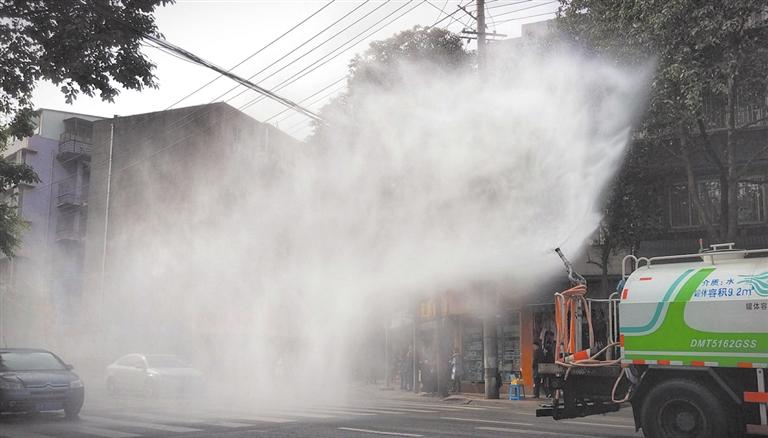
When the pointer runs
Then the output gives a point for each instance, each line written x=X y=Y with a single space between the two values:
x=683 y=213
x=751 y=203
x=29 y=361
x=680 y=206
x=709 y=195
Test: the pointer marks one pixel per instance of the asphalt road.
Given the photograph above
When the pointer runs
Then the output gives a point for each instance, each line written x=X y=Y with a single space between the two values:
x=368 y=413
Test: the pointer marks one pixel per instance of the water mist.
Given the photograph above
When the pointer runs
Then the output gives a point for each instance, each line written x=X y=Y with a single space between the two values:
x=439 y=182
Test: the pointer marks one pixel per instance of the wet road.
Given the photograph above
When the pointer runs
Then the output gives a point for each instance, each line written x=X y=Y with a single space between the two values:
x=369 y=413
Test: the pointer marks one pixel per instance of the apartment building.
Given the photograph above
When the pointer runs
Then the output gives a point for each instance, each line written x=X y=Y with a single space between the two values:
x=41 y=285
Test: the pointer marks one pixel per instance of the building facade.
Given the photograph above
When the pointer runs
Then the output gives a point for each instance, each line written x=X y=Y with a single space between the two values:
x=163 y=185
x=41 y=285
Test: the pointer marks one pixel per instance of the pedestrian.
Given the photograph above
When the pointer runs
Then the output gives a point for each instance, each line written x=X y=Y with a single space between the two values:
x=538 y=357
x=548 y=357
x=456 y=370
x=407 y=369
x=498 y=380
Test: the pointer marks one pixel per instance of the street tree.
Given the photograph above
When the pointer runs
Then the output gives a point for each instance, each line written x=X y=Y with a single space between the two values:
x=380 y=66
x=632 y=211
x=711 y=57
x=90 y=47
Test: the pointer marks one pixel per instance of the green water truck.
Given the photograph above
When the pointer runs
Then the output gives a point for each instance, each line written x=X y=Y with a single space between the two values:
x=687 y=348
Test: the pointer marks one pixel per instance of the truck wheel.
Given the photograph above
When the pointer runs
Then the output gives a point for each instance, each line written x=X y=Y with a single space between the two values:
x=685 y=409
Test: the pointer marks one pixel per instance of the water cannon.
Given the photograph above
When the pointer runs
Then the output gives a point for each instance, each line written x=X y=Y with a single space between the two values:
x=574 y=277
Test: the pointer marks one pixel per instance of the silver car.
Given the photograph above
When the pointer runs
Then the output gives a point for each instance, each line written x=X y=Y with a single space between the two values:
x=153 y=375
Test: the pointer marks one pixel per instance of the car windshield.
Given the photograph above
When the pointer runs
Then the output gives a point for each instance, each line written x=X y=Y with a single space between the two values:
x=29 y=361
x=166 y=361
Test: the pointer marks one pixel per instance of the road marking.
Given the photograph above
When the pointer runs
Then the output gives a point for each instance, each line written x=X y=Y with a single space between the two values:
x=247 y=417
x=538 y=432
x=260 y=418
x=379 y=432
x=439 y=407
x=231 y=424
x=379 y=411
x=140 y=424
x=105 y=433
x=434 y=406
x=305 y=415
x=186 y=420
x=584 y=423
x=337 y=411
x=23 y=434
x=421 y=411
x=510 y=423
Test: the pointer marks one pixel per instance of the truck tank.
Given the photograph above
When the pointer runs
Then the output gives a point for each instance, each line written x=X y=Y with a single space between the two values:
x=709 y=312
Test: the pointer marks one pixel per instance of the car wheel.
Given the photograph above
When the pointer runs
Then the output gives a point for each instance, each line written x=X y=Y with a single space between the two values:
x=685 y=409
x=72 y=413
x=112 y=387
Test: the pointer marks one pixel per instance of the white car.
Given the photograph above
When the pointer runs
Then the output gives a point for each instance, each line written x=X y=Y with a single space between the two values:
x=152 y=375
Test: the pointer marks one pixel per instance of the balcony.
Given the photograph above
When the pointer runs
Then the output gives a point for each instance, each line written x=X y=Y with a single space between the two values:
x=68 y=234
x=70 y=226
x=68 y=197
x=73 y=146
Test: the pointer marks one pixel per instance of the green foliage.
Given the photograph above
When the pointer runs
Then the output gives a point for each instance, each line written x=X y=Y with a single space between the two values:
x=85 y=46
x=89 y=47
x=633 y=210
x=710 y=56
x=697 y=46
x=379 y=65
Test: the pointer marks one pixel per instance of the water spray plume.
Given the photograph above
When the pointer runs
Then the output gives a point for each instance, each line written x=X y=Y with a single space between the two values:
x=275 y=270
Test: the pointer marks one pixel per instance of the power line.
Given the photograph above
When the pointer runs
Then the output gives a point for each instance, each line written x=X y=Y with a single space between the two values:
x=309 y=68
x=316 y=47
x=180 y=123
x=310 y=39
x=458 y=9
x=442 y=10
x=319 y=99
x=523 y=18
x=252 y=54
x=306 y=98
x=526 y=8
x=191 y=56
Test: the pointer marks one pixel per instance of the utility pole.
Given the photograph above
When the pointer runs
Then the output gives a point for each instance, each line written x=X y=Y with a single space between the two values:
x=490 y=346
x=481 y=35
x=387 y=377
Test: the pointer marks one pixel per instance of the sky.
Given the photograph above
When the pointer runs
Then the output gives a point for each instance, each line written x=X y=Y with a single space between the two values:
x=315 y=57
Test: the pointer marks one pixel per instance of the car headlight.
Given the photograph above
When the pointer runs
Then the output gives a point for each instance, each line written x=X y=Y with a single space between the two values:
x=76 y=384
x=9 y=384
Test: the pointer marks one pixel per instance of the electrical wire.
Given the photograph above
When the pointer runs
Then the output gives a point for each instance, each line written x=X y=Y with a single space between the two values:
x=316 y=47
x=442 y=10
x=307 y=41
x=249 y=57
x=306 y=98
x=183 y=119
x=526 y=8
x=315 y=101
x=191 y=56
x=322 y=61
x=508 y=20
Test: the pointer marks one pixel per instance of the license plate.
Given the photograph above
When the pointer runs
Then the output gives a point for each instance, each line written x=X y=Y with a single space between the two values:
x=49 y=406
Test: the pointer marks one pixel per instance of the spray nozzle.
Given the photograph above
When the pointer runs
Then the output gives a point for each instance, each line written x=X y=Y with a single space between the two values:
x=574 y=277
